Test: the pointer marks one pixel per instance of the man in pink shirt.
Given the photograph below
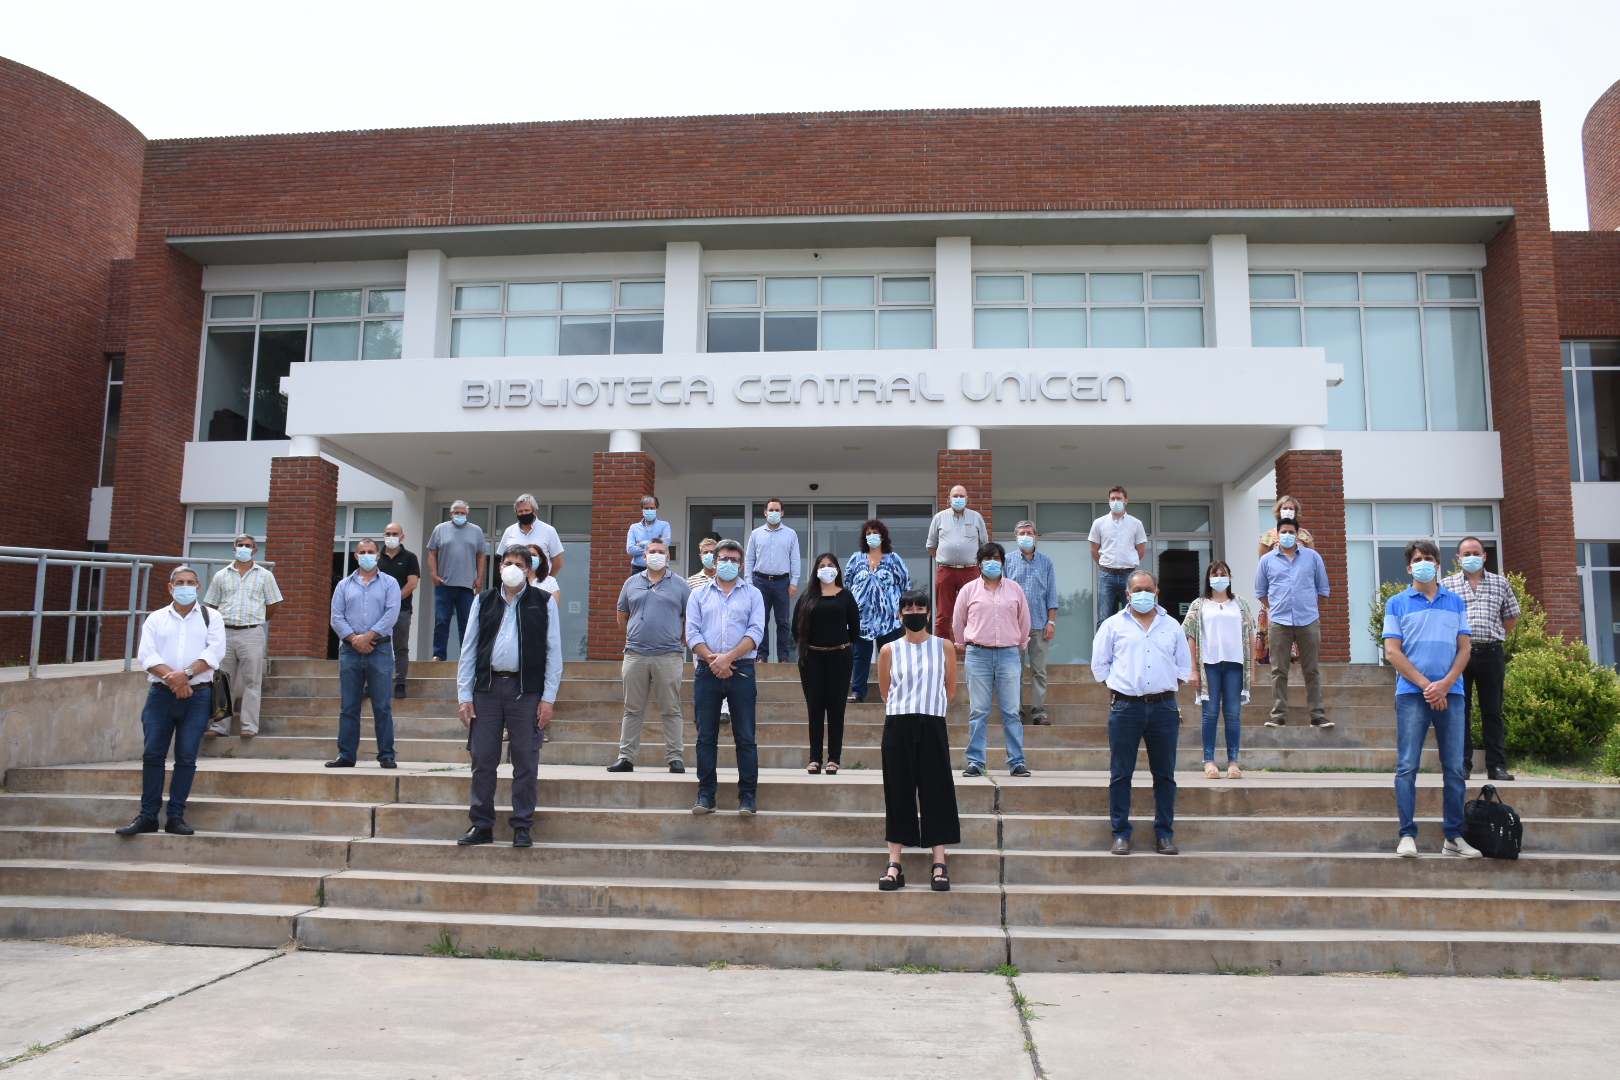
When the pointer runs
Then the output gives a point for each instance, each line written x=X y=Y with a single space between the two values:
x=992 y=620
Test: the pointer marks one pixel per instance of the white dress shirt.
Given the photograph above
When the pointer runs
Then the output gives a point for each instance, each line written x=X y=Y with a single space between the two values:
x=179 y=641
x=1138 y=662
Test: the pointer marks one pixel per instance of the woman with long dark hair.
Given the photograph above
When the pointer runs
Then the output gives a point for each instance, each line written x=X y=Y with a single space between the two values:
x=826 y=626
x=878 y=578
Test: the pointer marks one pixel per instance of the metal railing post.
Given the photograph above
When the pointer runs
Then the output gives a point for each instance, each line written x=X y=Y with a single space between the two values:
x=39 y=619
x=129 y=628
x=73 y=620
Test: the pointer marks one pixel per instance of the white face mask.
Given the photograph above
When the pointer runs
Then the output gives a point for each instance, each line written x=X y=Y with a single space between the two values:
x=392 y=542
x=657 y=560
x=512 y=575
x=827 y=574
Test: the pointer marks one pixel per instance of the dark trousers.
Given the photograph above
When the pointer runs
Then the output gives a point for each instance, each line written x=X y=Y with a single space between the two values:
x=778 y=608
x=825 y=679
x=182 y=721
x=741 y=691
x=449 y=600
x=866 y=651
x=1111 y=591
x=1486 y=670
x=917 y=782
x=502 y=708
x=1130 y=724
x=402 y=649
x=358 y=674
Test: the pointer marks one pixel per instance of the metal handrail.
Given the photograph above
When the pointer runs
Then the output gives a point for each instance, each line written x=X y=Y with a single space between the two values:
x=139 y=568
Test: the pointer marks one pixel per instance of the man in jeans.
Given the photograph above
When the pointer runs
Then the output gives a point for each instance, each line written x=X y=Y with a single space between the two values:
x=652 y=613
x=1035 y=574
x=724 y=625
x=401 y=565
x=456 y=559
x=1118 y=542
x=1493 y=612
x=365 y=607
x=1289 y=582
x=1426 y=640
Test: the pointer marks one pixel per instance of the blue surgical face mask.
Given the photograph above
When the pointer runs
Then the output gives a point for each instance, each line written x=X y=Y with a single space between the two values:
x=874 y=540
x=958 y=502
x=708 y=560
x=1116 y=506
x=1220 y=584
x=991 y=568
x=1143 y=601
x=1027 y=543
x=185 y=594
x=534 y=562
x=774 y=517
x=728 y=571
x=649 y=516
x=1473 y=563
x=1287 y=540
x=459 y=519
x=1423 y=571
x=367 y=561
x=244 y=554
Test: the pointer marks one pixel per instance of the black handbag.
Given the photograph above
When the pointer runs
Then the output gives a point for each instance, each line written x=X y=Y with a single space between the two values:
x=1492 y=826
x=220 y=708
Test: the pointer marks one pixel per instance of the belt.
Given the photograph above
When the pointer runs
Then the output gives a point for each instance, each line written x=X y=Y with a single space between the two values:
x=249 y=626
x=770 y=577
x=960 y=566
x=1489 y=644
x=1119 y=569
x=828 y=648
x=505 y=674
x=976 y=645
x=1144 y=699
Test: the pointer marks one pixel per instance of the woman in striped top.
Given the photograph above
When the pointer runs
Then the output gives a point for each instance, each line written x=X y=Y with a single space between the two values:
x=917 y=675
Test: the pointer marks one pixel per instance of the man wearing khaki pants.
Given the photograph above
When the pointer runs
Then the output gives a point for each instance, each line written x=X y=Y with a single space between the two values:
x=652 y=612
x=1289 y=582
x=246 y=596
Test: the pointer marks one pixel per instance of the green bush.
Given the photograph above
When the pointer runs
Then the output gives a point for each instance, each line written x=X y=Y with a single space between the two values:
x=1375 y=617
x=1609 y=760
x=1556 y=702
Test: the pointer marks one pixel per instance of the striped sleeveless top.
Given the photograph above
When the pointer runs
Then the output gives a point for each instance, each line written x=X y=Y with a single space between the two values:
x=916 y=677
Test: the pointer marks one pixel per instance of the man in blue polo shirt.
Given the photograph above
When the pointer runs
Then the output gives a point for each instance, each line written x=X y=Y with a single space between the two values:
x=1426 y=639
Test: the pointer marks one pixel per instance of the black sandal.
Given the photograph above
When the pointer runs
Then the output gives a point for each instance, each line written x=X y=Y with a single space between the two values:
x=814 y=767
x=832 y=768
x=941 y=882
x=889 y=884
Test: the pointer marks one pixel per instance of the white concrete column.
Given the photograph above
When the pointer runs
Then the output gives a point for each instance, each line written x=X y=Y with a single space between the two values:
x=1308 y=437
x=624 y=442
x=417 y=534
x=304 y=446
x=962 y=437
x=1229 y=290
x=1240 y=538
x=427 y=305
x=409 y=509
x=683 y=296
x=953 y=294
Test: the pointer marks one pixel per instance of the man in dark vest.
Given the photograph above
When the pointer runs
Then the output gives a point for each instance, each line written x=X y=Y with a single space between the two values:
x=511 y=666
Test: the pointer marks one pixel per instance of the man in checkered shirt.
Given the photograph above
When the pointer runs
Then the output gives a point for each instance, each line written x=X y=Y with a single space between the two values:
x=246 y=596
x=1493 y=612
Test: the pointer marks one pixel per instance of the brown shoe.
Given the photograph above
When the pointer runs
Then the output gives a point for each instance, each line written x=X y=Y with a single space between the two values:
x=1165 y=847
x=1121 y=846
x=1040 y=720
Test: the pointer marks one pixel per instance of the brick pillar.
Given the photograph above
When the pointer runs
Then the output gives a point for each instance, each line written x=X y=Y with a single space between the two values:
x=298 y=539
x=971 y=469
x=618 y=483
x=1316 y=479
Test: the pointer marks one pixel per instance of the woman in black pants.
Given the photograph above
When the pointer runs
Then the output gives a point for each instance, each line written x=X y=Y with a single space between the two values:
x=826 y=625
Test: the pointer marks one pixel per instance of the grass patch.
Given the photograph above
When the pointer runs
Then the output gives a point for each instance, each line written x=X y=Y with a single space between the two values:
x=874 y=967
x=1547 y=976
x=1586 y=767
x=1508 y=973
x=860 y=765
x=717 y=965
x=1006 y=971
x=917 y=969
x=445 y=945
x=830 y=965
x=1223 y=968
x=492 y=953
x=1592 y=978
x=534 y=955
x=283 y=757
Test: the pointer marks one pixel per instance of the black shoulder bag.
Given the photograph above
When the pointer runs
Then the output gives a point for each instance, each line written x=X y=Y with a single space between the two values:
x=1492 y=826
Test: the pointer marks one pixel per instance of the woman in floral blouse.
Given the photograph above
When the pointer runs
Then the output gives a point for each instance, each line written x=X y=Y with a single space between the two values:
x=877 y=577
x=1286 y=508
x=1220 y=631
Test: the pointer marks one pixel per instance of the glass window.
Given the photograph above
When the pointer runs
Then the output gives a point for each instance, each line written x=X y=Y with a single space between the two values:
x=227 y=384
x=337 y=303
x=905 y=328
x=1001 y=328
x=1117 y=328
x=384 y=340
x=1183 y=519
x=285 y=305
x=370 y=521
x=1468 y=519
x=1276 y=327
x=1389 y=288
x=231 y=307
x=385 y=302
x=1592 y=409
x=478 y=298
x=571 y=520
x=587 y=295
x=1395 y=369
x=639 y=333
x=1452 y=286
x=335 y=341
x=1456 y=369
x=528 y=296
x=893 y=327
x=1175 y=287
x=1271 y=287
x=109 y=430
x=1066 y=327
x=847 y=329
x=280 y=347
x=1058 y=328
x=846 y=291
x=1331 y=287
x=1176 y=327
x=255 y=520
x=642 y=294
x=791 y=292
x=729 y=293
x=907 y=290
x=1338 y=331
x=531 y=337
x=1116 y=288
x=790 y=331
x=1410 y=520
x=999 y=287
x=1059 y=288
x=733 y=331
x=585 y=335
x=214 y=522
x=1004 y=519
x=1064 y=518
x=1358 y=519
x=475 y=337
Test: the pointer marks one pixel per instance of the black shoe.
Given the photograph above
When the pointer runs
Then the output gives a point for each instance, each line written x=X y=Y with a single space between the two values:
x=1499 y=773
x=141 y=824
x=973 y=770
x=178 y=826
x=387 y=763
x=1165 y=847
x=1274 y=722
x=340 y=763
x=890 y=882
x=521 y=838
x=476 y=835
x=1121 y=846
x=746 y=807
x=1322 y=724
x=676 y=767
x=399 y=692
x=703 y=806
x=1021 y=770
x=622 y=765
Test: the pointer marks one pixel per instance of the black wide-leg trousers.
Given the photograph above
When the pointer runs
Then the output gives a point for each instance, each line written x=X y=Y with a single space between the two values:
x=919 y=794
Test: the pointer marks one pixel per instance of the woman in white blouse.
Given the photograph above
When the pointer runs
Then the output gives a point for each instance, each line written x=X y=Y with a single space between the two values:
x=1220 y=632
x=540 y=574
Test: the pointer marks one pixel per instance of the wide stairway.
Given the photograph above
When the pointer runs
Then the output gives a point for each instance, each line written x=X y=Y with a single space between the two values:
x=1283 y=871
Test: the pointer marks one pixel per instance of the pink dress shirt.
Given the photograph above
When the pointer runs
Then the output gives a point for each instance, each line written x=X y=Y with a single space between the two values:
x=994 y=618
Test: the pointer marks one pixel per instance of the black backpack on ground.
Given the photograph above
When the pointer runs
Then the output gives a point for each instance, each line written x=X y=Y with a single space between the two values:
x=1492 y=825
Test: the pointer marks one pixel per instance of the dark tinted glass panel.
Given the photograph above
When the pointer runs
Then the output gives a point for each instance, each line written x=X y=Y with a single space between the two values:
x=639 y=334
x=733 y=332
x=713 y=522
x=227 y=376
x=586 y=335
x=279 y=349
x=790 y=331
x=109 y=437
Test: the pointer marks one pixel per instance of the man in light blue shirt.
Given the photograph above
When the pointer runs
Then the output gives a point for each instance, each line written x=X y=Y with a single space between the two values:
x=724 y=624
x=1427 y=640
x=1289 y=581
x=650 y=527
x=1035 y=574
x=772 y=564
x=365 y=607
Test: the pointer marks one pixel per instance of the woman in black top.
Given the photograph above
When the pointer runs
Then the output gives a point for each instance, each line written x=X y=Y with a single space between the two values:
x=826 y=625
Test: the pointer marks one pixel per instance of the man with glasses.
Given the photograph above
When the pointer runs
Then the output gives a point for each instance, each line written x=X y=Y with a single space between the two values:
x=724 y=624
x=246 y=596
x=403 y=567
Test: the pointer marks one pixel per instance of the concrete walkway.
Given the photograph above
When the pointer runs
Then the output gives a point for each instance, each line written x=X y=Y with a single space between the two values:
x=19 y=672
x=305 y=1014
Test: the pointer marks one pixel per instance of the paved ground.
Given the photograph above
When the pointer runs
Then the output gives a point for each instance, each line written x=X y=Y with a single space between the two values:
x=307 y=1014
x=18 y=672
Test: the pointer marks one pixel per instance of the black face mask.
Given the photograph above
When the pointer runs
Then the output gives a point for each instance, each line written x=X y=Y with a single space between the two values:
x=525 y=520
x=916 y=621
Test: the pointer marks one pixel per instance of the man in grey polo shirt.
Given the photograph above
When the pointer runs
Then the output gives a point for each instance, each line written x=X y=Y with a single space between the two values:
x=953 y=543
x=456 y=556
x=652 y=612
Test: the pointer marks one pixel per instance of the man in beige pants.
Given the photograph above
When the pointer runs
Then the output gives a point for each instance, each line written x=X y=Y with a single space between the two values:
x=246 y=596
x=652 y=612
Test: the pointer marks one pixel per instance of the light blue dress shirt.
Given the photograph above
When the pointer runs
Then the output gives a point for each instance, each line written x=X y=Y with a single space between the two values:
x=1038 y=578
x=1139 y=662
x=1291 y=586
x=358 y=607
x=504 y=654
x=720 y=619
x=773 y=551
x=636 y=541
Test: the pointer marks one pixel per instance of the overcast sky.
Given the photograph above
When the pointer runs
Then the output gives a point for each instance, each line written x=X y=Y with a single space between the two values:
x=181 y=69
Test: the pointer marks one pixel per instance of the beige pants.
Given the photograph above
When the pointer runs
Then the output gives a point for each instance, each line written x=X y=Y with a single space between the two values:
x=244 y=666
x=657 y=677
x=1037 y=652
x=1309 y=640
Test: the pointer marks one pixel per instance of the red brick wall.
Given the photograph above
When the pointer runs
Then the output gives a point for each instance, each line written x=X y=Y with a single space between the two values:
x=302 y=521
x=618 y=484
x=1588 y=283
x=115 y=323
x=1600 y=136
x=971 y=469
x=1316 y=479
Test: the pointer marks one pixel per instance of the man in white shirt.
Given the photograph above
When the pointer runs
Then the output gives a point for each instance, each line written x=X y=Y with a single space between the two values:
x=181 y=645
x=529 y=529
x=1141 y=654
x=1118 y=542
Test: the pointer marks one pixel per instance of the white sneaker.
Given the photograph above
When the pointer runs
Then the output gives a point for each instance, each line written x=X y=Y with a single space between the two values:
x=1407 y=848
x=1461 y=848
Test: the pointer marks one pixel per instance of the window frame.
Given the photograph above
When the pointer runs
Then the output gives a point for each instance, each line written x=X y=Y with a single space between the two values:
x=504 y=312
x=1568 y=370
x=1029 y=304
x=877 y=306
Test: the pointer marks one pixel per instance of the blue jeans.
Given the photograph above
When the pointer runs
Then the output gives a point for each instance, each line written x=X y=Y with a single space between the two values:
x=741 y=691
x=1130 y=724
x=1223 y=683
x=355 y=671
x=865 y=650
x=167 y=718
x=1111 y=592
x=779 y=605
x=994 y=673
x=449 y=600
x=1413 y=716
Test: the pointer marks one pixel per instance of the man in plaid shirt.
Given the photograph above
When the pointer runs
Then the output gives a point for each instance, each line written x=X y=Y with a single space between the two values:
x=246 y=596
x=1493 y=612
